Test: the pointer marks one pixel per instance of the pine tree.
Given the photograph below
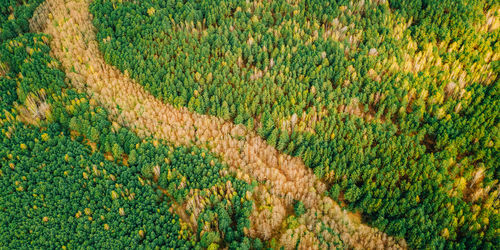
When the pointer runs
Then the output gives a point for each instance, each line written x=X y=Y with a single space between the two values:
x=94 y=134
x=290 y=149
x=117 y=151
x=239 y=119
x=267 y=125
x=299 y=208
x=225 y=112
x=132 y=157
x=283 y=140
x=273 y=138
x=74 y=124
x=250 y=123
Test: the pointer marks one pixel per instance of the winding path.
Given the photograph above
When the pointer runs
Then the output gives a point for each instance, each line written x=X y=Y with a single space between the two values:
x=73 y=44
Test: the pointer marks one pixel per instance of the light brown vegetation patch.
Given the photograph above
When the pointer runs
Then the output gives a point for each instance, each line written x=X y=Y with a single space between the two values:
x=35 y=108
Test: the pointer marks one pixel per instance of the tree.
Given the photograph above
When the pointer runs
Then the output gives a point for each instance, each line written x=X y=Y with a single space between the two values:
x=290 y=149
x=283 y=140
x=208 y=238
x=94 y=134
x=117 y=151
x=74 y=124
x=299 y=208
x=225 y=112
x=267 y=125
x=273 y=137
x=132 y=157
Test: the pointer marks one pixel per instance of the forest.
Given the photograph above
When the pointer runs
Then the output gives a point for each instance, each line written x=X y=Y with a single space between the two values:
x=288 y=124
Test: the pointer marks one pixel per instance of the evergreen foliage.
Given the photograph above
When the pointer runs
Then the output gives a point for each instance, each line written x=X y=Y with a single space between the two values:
x=394 y=104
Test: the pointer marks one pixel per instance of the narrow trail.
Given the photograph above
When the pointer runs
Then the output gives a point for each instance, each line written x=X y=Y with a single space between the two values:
x=73 y=44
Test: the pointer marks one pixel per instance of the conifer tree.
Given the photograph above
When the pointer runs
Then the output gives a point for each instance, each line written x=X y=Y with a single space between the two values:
x=132 y=157
x=74 y=124
x=283 y=140
x=117 y=151
x=273 y=138
x=94 y=134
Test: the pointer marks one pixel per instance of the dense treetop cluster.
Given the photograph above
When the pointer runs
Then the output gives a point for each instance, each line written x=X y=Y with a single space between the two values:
x=283 y=178
x=71 y=178
x=14 y=17
x=394 y=103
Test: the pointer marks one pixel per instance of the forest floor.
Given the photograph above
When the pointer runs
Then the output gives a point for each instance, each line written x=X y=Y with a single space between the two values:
x=73 y=44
